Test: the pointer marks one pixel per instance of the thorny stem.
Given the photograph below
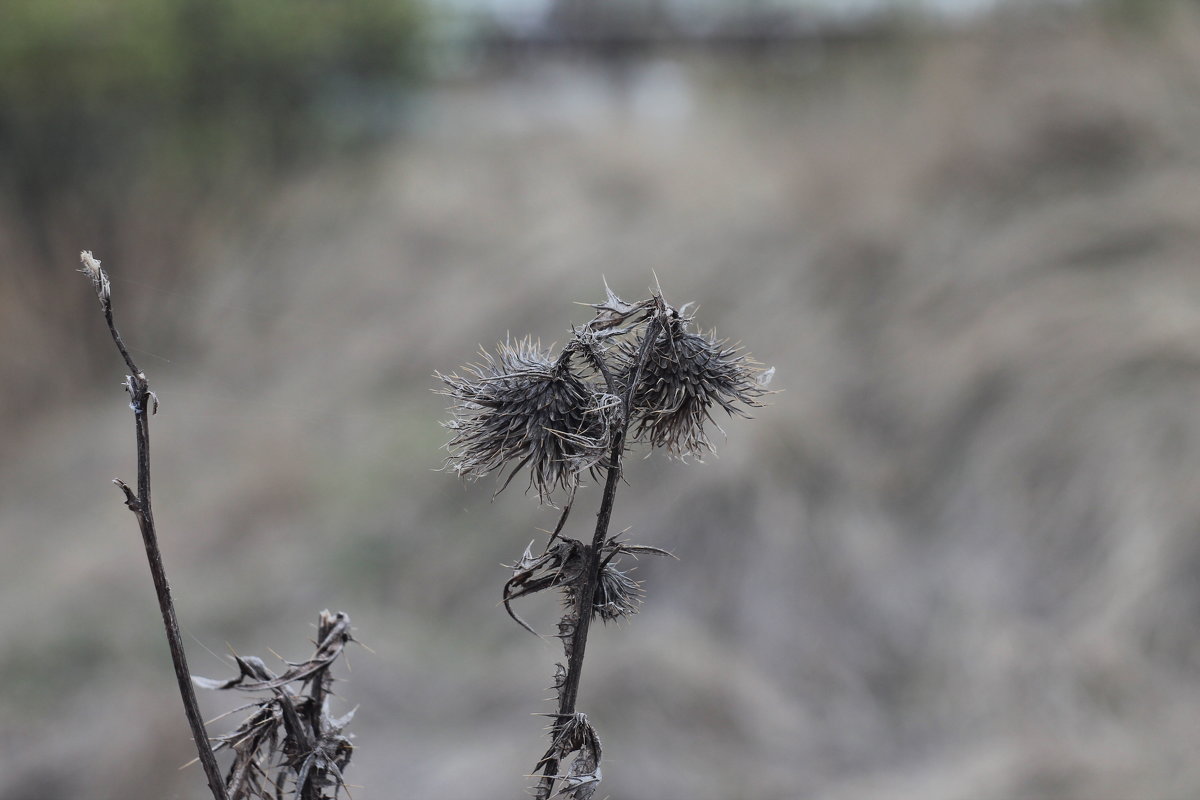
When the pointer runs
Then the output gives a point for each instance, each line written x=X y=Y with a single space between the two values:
x=320 y=686
x=143 y=403
x=311 y=788
x=585 y=604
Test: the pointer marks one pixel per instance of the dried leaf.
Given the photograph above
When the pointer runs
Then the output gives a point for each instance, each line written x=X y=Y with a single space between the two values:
x=290 y=736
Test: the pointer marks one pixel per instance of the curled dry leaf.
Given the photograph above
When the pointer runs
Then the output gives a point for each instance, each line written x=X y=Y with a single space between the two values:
x=614 y=311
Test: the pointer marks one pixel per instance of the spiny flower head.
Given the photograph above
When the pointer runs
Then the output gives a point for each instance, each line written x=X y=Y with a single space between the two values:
x=683 y=377
x=522 y=405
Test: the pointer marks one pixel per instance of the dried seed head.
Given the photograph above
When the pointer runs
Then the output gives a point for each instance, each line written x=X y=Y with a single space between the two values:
x=619 y=595
x=522 y=405
x=90 y=266
x=683 y=377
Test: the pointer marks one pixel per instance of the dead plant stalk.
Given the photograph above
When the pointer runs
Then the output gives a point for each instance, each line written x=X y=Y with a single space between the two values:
x=144 y=404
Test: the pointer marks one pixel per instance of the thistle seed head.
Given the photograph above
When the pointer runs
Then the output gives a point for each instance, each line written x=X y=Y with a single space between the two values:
x=684 y=376
x=619 y=595
x=521 y=405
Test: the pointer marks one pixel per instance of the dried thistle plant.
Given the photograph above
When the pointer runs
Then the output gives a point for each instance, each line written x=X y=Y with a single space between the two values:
x=290 y=740
x=635 y=371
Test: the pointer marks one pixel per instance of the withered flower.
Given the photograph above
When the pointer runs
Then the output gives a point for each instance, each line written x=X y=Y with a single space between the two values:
x=521 y=405
x=684 y=376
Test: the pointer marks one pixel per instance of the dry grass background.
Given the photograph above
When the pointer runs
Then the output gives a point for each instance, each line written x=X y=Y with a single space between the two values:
x=956 y=559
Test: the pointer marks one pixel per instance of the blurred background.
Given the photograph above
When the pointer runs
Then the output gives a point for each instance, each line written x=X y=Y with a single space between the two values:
x=957 y=557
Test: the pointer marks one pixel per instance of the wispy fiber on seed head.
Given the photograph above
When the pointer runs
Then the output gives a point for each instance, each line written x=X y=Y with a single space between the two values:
x=521 y=405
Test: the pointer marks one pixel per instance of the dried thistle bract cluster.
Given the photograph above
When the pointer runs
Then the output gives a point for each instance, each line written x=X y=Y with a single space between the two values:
x=521 y=405
x=633 y=364
x=560 y=566
x=575 y=736
x=683 y=378
x=290 y=739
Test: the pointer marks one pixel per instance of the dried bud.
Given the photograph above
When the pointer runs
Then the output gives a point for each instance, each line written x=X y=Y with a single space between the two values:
x=575 y=735
x=683 y=377
x=618 y=596
x=91 y=268
x=522 y=405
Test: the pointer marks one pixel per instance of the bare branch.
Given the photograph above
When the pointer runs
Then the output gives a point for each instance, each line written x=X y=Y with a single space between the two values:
x=144 y=403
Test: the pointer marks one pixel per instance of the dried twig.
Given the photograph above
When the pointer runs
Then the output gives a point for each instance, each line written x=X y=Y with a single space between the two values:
x=144 y=403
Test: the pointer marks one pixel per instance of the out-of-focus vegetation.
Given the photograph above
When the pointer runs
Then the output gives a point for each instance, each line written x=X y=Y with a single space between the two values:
x=1141 y=12
x=130 y=126
x=101 y=85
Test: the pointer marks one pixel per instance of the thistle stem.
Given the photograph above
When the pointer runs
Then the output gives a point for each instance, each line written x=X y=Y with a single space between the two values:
x=576 y=644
